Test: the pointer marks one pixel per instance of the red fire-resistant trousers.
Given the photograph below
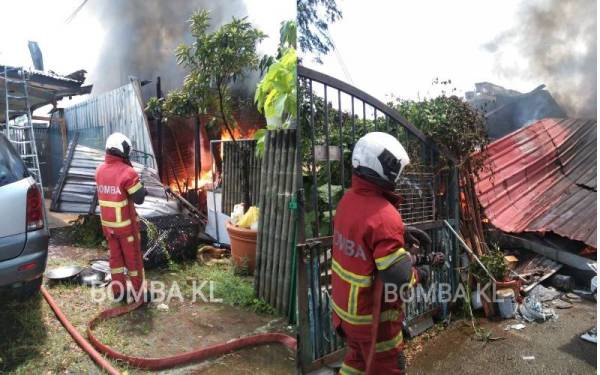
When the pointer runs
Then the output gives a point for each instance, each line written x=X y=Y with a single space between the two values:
x=125 y=253
x=388 y=350
x=356 y=356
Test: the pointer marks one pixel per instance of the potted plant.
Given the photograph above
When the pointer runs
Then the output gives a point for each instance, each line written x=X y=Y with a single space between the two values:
x=242 y=237
x=496 y=265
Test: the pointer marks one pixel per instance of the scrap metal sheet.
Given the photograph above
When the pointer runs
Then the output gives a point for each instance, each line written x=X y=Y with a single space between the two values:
x=120 y=110
x=80 y=186
x=542 y=178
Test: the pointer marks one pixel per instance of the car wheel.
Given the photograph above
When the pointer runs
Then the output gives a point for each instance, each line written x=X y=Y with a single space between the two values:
x=29 y=289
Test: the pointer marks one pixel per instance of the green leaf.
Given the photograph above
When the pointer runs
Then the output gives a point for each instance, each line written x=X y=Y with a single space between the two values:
x=336 y=193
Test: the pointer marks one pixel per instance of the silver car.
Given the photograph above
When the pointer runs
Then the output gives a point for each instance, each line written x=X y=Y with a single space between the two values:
x=23 y=230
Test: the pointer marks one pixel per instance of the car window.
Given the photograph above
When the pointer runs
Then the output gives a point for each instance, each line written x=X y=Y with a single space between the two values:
x=12 y=168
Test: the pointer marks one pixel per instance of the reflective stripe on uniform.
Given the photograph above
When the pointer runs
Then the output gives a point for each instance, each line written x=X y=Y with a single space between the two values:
x=112 y=204
x=384 y=262
x=133 y=273
x=117 y=206
x=351 y=318
x=134 y=188
x=130 y=238
x=413 y=278
x=384 y=346
x=349 y=370
x=386 y=316
x=353 y=299
x=390 y=315
x=117 y=270
x=113 y=224
x=351 y=277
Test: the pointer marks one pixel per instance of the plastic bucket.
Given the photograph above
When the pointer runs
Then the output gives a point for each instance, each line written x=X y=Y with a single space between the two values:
x=476 y=300
x=506 y=303
x=243 y=247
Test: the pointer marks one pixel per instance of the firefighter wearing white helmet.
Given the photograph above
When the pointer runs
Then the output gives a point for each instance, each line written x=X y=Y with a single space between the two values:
x=379 y=158
x=119 y=188
x=118 y=144
x=370 y=250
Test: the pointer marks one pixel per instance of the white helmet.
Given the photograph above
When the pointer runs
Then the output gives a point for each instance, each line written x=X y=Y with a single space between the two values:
x=379 y=158
x=118 y=144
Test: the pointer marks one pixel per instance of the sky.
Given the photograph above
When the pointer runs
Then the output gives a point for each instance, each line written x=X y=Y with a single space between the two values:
x=399 y=47
x=66 y=47
x=387 y=46
x=77 y=44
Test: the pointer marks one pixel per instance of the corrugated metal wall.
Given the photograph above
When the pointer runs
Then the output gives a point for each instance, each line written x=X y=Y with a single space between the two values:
x=119 y=110
x=232 y=174
x=276 y=242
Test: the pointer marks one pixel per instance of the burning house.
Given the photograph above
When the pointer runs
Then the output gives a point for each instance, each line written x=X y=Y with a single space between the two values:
x=508 y=110
x=87 y=125
x=179 y=138
x=538 y=189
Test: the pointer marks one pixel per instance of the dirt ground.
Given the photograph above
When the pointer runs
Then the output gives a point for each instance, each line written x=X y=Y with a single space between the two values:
x=35 y=341
x=555 y=346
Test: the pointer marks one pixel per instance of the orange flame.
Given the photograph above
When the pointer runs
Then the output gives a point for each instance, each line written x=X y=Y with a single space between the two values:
x=206 y=177
x=238 y=134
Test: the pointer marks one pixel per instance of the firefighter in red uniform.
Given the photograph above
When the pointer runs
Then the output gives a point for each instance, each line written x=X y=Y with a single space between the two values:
x=119 y=187
x=369 y=243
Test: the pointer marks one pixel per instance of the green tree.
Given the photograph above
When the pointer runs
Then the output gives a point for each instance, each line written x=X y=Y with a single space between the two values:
x=314 y=17
x=214 y=60
x=452 y=124
x=276 y=94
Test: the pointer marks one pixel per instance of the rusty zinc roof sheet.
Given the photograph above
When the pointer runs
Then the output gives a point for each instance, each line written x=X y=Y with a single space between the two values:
x=542 y=178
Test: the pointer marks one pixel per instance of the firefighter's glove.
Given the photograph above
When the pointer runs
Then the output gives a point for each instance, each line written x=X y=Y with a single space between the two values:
x=424 y=274
x=436 y=259
x=416 y=241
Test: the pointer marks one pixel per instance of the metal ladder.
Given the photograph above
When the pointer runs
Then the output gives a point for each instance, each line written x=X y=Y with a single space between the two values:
x=19 y=130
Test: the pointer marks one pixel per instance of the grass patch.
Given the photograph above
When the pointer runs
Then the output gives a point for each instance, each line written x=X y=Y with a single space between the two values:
x=233 y=289
x=33 y=341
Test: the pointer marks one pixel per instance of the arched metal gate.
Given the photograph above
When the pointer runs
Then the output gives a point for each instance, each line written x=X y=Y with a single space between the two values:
x=332 y=116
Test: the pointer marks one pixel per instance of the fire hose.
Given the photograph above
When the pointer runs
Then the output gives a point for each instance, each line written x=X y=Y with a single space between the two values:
x=378 y=296
x=96 y=347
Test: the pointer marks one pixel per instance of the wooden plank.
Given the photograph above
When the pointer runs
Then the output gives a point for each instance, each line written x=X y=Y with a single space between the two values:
x=63 y=176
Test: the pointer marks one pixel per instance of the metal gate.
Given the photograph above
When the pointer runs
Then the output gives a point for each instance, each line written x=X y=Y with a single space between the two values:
x=332 y=116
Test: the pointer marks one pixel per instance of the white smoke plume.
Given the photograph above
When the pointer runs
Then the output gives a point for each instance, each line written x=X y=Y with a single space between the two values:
x=142 y=36
x=559 y=42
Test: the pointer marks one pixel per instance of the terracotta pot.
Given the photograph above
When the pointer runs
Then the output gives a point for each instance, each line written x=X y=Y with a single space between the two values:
x=243 y=246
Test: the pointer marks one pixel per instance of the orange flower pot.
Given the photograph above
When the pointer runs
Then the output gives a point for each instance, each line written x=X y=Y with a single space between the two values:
x=243 y=246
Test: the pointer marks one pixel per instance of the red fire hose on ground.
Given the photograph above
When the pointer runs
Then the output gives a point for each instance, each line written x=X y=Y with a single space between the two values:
x=155 y=363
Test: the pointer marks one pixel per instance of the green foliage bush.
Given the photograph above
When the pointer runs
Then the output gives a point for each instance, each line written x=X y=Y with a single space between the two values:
x=86 y=231
x=495 y=263
x=452 y=124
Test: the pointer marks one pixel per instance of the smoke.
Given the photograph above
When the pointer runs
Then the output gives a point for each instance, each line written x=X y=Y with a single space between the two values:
x=141 y=37
x=557 y=38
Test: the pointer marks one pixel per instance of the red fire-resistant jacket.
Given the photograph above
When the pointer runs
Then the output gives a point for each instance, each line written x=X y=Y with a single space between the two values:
x=116 y=181
x=368 y=236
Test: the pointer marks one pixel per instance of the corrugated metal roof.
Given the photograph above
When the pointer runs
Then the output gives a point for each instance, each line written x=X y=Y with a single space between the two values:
x=43 y=88
x=120 y=110
x=542 y=178
x=80 y=186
